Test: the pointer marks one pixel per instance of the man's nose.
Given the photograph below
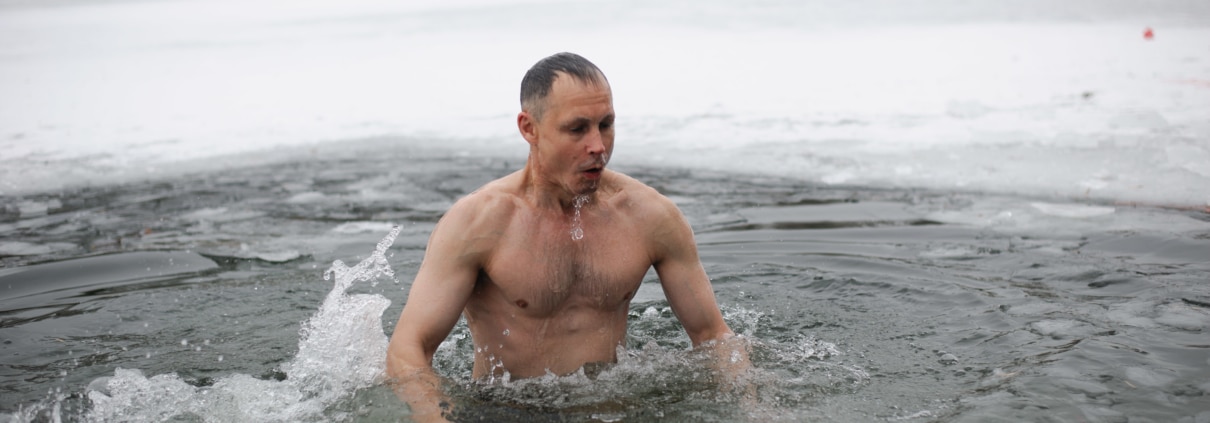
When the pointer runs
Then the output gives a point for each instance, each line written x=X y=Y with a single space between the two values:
x=595 y=143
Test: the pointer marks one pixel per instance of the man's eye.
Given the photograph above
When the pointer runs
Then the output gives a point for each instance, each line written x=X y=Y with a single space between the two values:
x=606 y=125
x=577 y=129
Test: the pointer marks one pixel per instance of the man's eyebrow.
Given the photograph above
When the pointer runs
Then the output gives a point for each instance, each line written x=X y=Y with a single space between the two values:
x=575 y=122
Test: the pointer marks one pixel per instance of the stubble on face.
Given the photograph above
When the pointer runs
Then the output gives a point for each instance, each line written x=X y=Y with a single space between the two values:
x=577 y=134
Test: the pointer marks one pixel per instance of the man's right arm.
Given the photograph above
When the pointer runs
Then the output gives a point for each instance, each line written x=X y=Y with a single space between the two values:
x=442 y=286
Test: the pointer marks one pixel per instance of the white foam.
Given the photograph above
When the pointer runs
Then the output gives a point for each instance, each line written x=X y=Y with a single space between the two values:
x=1010 y=215
x=306 y=197
x=18 y=248
x=1071 y=210
x=1149 y=378
x=362 y=227
x=1060 y=328
x=29 y=209
x=278 y=256
x=221 y=214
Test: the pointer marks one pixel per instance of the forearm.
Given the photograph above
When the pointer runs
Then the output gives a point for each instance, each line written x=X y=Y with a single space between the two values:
x=728 y=354
x=420 y=387
x=729 y=358
x=415 y=382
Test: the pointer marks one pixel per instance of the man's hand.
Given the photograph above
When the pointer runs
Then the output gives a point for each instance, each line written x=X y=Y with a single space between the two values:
x=421 y=389
x=729 y=357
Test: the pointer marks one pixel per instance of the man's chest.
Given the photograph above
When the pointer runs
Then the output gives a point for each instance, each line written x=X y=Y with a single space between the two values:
x=544 y=268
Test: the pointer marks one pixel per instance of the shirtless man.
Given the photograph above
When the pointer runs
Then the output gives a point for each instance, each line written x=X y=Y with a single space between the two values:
x=544 y=262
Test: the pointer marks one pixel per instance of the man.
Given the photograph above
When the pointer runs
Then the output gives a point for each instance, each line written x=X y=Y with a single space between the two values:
x=544 y=262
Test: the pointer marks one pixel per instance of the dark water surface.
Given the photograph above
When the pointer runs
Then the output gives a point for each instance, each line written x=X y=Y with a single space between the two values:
x=861 y=304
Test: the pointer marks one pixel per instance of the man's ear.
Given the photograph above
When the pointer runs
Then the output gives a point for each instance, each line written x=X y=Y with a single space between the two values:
x=528 y=127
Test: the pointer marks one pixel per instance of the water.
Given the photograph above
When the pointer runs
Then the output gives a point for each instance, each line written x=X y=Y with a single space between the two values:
x=860 y=303
x=577 y=231
x=914 y=211
x=341 y=349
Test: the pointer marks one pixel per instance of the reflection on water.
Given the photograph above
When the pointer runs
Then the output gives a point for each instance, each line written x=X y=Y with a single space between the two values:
x=859 y=304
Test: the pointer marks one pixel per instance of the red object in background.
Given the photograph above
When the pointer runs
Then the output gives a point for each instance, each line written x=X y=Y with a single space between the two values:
x=1148 y=34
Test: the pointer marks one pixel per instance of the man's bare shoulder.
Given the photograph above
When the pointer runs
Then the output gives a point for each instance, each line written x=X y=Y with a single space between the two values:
x=666 y=230
x=643 y=201
x=487 y=208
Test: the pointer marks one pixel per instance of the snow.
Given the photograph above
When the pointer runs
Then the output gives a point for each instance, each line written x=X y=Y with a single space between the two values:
x=1062 y=101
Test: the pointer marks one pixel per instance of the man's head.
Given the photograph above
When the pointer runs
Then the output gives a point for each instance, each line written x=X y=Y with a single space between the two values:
x=567 y=119
x=540 y=79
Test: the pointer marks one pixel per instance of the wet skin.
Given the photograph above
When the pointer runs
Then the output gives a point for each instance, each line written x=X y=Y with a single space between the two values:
x=538 y=297
x=563 y=302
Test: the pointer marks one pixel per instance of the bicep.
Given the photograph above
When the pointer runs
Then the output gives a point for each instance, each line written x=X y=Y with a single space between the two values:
x=435 y=301
x=444 y=282
x=685 y=283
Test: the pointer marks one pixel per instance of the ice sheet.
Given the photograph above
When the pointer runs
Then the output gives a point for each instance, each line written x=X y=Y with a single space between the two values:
x=1067 y=101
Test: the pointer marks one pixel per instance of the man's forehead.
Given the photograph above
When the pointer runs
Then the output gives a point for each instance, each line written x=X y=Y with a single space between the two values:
x=580 y=99
x=565 y=81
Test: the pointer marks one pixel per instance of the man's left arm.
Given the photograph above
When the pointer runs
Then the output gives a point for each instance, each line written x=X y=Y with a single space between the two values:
x=688 y=291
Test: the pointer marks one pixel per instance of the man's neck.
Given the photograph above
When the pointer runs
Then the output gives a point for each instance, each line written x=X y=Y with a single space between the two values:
x=545 y=194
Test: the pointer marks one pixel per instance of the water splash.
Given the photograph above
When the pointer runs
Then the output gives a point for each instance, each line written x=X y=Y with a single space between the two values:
x=657 y=368
x=50 y=409
x=577 y=229
x=341 y=349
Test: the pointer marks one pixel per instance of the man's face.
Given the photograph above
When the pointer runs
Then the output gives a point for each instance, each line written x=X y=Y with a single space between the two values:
x=574 y=139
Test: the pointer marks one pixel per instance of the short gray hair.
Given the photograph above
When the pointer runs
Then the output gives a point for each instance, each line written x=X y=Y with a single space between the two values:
x=541 y=77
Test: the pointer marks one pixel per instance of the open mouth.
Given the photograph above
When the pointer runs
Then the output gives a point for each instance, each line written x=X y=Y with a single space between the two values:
x=594 y=172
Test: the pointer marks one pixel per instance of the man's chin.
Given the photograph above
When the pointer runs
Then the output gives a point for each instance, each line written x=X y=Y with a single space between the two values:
x=589 y=187
x=583 y=195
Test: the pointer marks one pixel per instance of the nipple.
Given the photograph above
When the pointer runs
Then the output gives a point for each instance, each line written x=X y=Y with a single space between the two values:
x=522 y=304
